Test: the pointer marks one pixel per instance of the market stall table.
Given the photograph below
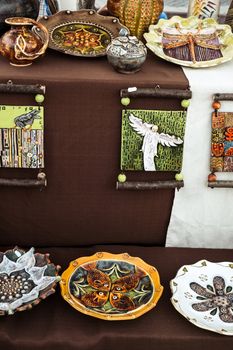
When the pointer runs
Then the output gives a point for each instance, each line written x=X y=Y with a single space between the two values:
x=80 y=212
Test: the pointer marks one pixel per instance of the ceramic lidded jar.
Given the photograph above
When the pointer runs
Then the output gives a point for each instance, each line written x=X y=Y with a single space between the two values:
x=126 y=54
x=20 y=44
x=136 y=15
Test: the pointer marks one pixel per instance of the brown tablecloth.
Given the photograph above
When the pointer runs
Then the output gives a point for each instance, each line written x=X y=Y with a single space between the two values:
x=82 y=155
x=54 y=324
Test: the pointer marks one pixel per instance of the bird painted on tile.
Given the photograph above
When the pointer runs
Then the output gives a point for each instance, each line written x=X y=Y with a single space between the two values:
x=26 y=120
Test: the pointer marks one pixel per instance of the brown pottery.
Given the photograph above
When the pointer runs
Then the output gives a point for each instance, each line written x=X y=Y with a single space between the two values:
x=20 y=44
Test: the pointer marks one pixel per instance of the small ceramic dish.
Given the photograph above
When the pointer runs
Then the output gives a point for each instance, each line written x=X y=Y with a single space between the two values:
x=191 y=42
x=25 y=279
x=81 y=33
x=203 y=293
x=111 y=286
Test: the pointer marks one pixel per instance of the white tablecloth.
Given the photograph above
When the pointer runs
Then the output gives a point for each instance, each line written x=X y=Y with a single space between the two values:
x=201 y=216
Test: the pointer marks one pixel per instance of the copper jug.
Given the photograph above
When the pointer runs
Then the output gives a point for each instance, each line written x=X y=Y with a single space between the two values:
x=21 y=44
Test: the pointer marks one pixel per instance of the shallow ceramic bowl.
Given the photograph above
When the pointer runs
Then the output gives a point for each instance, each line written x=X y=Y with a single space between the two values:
x=203 y=293
x=82 y=33
x=25 y=279
x=154 y=39
x=111 y=286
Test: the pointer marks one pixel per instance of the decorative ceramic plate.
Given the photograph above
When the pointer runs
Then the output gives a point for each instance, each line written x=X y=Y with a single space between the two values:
x=203 y=293
x=25 y=279
x=111 y=286
x=191 y=42
x=81 y=33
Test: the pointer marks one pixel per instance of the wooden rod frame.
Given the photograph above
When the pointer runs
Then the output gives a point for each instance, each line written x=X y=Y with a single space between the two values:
x=10 y=87
x=146 y=185
x=40 y=182
x=223 y=97
x=220 y=184
x=156 y=92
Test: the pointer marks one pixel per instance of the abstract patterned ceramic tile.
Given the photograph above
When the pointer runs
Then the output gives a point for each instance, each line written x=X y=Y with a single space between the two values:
x=222 y=142
x=204 y=8
x=21 y=137
x=152 y=140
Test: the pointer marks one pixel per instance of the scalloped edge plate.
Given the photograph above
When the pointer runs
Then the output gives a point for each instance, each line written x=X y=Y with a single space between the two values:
x=150 y=271
x=154 y=39
x=26 y=278
x=106 y=24
x=202 y=273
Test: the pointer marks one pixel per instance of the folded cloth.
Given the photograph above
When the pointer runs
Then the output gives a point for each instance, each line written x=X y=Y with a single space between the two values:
x=201 y=216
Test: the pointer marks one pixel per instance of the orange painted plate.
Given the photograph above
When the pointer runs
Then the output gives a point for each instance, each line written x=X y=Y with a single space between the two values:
x=111 y=286
x=81 y=33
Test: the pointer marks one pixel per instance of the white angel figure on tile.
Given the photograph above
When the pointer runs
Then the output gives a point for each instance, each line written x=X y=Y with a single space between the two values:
x=151 y=139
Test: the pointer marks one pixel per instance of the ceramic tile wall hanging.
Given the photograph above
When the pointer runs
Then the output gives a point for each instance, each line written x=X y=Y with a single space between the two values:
x=221 y=159
x=26 y=278
x=152 y=140
x=21 y=136
x=191 y=42
x=202 y=293
x=111 y=286
x=81 y=33
x=204 y=8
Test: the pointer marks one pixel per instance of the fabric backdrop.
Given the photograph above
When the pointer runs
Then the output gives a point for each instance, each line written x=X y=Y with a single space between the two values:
x=201 y=216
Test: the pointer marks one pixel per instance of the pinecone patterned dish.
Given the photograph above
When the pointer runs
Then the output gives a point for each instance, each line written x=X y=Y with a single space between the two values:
x=25 y=279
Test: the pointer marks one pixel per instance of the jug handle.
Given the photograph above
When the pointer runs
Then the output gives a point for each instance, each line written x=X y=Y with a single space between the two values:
x=21 y=50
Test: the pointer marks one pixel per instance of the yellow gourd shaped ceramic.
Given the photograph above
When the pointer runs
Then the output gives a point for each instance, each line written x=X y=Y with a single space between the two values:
x=136 y=15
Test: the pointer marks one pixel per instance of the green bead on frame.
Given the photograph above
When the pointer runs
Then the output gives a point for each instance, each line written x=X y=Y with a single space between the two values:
x=39 y=98
x=185 y=103
x=125 y=101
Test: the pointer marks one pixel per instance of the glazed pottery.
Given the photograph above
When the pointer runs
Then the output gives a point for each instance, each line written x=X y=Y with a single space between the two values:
x=19 y=8
x=81 y=33
x=204 y=8
x=191 y=42
x=126 y=54
x=25 y=279
x=111 y=286
x=136 y=15
x=21 y=45
x=203 y=293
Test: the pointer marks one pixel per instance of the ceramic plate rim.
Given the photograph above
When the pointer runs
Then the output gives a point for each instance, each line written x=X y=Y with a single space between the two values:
x=175 y=302
x=152 y=272
x=158 y=51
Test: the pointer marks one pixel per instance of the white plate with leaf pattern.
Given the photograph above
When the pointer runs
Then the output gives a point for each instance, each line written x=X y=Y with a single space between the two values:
x=203 y=293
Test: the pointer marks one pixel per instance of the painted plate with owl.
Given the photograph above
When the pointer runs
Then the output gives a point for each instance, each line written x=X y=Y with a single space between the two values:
x=111 y=286
x=191 y=42
x=203 y=293
x=82 y=33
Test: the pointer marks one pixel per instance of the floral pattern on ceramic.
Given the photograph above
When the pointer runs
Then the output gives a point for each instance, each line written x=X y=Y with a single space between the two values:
x=216 y=298
x=81 y=33
x=25 y=279
x=191 y=42
x=203 y=293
